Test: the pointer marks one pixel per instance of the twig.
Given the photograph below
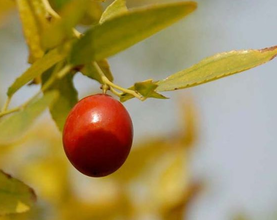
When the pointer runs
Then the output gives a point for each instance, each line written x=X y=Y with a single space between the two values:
x=49 y=82
x=105 y=80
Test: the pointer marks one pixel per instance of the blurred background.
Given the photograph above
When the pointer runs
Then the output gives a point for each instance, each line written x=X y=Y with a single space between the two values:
x=224 y=130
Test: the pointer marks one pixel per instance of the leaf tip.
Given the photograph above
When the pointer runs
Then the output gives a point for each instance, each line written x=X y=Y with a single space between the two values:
x=270 y=49
x=193 y=5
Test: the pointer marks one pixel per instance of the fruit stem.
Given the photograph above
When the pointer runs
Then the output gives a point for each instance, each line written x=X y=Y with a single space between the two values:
x=106 y=81
x=115 y=92
x=105 y=88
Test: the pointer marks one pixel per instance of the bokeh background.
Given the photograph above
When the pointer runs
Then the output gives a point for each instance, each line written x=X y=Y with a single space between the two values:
x=235 y=151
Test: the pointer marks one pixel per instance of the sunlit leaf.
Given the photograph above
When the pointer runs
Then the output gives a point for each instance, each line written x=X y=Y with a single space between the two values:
x=13 y=127
x=125 y=30
x=33 y=17
x=216 y=67
x=36 y=70
x=116 y=8
x=68 y=97
x=15 y=196
x=62 y=29
x=145 y=88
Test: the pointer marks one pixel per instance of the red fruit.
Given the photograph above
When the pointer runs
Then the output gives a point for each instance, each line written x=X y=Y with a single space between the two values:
x=98 y=135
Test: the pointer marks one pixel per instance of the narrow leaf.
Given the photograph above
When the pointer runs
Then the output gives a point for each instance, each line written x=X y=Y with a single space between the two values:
x=13 y=127
x=125 y=30
x=216 y=67
x=116 y=8
x=36 y=70
x=67 y=98
x=33 y=16
x=15 y=196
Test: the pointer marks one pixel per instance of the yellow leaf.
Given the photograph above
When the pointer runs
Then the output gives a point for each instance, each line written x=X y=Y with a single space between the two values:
x=33 y=17
x=14 y=127
x=216 y=67
x=15 y=196
x=127 y=29
x=36 y=70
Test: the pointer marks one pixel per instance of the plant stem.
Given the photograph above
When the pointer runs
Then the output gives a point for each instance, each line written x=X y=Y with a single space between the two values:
x=115 y=92
x=49 y=82
x=6 y=105
x=9 y=111
x=50 y=9
x=106 y=81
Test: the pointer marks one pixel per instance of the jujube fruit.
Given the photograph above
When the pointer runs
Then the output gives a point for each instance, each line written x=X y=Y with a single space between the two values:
x=98 y=135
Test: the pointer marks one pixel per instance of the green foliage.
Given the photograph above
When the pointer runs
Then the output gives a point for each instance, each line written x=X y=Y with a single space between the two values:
x=36 y=70
x=216 y=67
x=33 y=14
x=57 y=51
x=62 y=29
x=67 y=98
x=13 y=127
x=125 y=30
x=159 y=166
x=15 y=196
x=115 y=9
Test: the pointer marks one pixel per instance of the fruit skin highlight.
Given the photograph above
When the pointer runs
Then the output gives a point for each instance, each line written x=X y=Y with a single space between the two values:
x=98 y=135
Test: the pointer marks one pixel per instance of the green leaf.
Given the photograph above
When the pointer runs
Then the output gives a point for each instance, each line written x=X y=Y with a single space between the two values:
x=12 y=128
x=33 y=16
x=145 y=88
x=125 y=30
x=116 y=8
x=216 y=67
x=90 y=71
x=36 y=70
x=62 y=29
x=15 y=196
x=67 y=98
